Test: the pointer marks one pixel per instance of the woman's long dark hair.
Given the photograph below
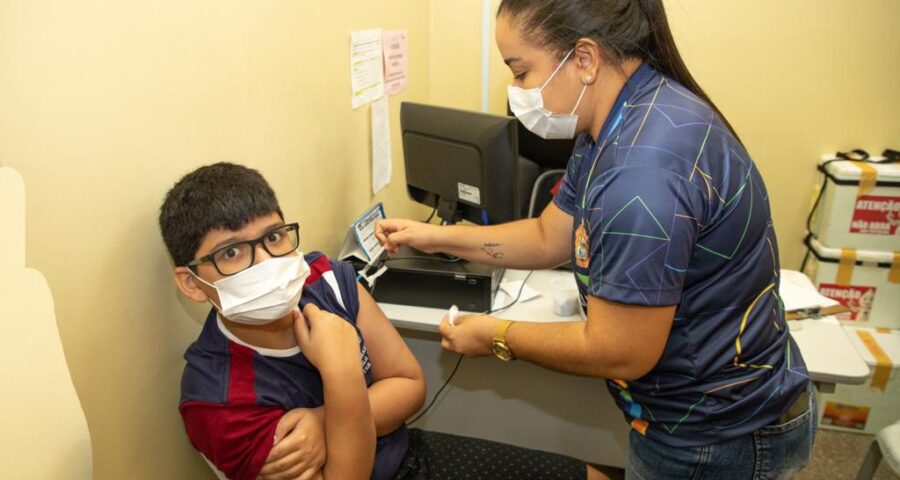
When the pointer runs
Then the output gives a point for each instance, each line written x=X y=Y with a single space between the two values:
x=624 y=29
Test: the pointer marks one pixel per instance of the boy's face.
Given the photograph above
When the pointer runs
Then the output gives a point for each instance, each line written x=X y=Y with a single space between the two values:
x=215 y=240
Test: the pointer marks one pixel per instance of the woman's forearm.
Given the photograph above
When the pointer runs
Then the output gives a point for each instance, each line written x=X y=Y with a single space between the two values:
x=617 y=341
x=521 y=244
x=563 y=347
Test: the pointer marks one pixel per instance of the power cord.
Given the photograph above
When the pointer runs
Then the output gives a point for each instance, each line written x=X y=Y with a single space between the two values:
x=433 y=211
x=435 y=258
x=460 y=358
x=436 y=395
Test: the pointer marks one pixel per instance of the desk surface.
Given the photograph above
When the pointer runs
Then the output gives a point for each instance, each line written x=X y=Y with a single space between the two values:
x=830 y=356
x=539 y=309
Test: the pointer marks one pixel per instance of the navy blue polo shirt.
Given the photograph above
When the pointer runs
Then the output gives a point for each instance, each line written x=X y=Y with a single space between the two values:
x=669 y=209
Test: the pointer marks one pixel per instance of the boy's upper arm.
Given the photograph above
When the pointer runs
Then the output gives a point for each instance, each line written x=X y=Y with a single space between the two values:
x=235 y=438
x=388 y=352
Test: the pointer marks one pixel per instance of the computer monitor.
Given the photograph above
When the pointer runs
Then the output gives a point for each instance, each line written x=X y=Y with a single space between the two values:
x=464 y=163
x=548 y=154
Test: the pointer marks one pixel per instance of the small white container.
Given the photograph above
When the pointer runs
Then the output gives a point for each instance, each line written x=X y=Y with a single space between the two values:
x=875 y=404
x=870 y=287
x=565 y=297
x=844 y=218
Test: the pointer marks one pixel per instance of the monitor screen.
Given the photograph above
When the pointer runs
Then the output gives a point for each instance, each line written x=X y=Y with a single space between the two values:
x=463 y=163
x=549 y=154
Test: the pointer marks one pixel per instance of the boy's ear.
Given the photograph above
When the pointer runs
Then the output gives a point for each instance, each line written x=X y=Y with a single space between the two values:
x=189 y=285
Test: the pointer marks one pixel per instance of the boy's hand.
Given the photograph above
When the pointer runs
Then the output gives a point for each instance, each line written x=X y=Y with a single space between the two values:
x=299 y=450
x=328 y=341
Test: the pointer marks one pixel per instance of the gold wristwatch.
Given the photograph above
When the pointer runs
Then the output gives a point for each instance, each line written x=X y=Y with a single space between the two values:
x=499 y=346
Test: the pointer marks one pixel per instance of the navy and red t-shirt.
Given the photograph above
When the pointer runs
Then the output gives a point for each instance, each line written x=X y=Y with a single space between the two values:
x=233 y=394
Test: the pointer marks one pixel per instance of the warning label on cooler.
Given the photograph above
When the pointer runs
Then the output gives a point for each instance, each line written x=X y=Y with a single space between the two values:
x=876 y=215
x=857 y=298
x=847 y=416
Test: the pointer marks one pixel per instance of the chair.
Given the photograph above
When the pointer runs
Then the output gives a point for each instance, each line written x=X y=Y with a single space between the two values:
x=887 y=446
x=541 y=191
x=219 y=474
x=45 y=434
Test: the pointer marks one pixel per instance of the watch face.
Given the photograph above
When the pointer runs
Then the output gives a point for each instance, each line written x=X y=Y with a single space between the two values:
x=501 y=351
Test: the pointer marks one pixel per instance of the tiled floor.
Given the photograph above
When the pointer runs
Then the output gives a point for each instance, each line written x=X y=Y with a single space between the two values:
x=836 y=456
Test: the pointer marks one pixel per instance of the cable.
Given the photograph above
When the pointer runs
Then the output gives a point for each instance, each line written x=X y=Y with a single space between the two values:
x=891 y=155
x=436 y=395
x=854 y=155
x=460 y=358
x=433 y=211
x=515 y=300
x=435 y=258
x=815 y=207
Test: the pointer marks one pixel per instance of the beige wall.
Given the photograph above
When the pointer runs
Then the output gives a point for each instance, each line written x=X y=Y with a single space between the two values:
x=106 y=104
x=796 y=79
x=455 y=55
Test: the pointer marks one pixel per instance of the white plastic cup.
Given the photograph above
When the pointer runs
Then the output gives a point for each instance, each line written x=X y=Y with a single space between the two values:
x=565 y=296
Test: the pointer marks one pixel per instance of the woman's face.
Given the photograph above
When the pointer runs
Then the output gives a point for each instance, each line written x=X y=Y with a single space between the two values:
x=532 y=65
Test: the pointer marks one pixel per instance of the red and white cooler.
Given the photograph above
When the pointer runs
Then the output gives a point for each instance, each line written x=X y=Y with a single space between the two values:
x=865 y=281
x=860 y=205
x=869 y=407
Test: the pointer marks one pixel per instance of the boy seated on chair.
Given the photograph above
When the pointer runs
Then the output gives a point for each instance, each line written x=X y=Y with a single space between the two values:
x=297 y=373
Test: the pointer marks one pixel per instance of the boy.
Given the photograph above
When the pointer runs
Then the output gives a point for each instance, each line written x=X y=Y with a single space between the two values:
x=264 y=383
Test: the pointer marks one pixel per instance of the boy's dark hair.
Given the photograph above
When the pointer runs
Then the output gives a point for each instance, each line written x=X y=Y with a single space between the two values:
x=219 y=196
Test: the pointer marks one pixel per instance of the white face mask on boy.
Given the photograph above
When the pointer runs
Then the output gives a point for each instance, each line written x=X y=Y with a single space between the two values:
x=262 y=293
x=528 y=106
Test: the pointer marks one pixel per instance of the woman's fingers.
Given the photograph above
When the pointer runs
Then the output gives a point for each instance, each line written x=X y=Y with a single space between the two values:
x=383 y=231
x=394 y=233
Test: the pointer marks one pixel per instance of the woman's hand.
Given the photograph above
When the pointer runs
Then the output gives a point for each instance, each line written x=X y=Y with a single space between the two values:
x=472 y=336
x=299 y=450
x=396 y=232
x=328 y=341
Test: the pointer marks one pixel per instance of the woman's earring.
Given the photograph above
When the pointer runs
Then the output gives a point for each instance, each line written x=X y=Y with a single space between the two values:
x=587 y=79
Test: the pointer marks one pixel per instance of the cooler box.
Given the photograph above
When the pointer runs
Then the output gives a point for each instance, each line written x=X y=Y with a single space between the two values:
x=867 y=282
x=860 y=207
x=869 y=407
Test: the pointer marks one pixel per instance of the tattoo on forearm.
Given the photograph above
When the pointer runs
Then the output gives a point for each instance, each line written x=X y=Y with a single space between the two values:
x=492 y=249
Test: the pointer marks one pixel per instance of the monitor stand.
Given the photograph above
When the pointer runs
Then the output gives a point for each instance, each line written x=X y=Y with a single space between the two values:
x=435 y=280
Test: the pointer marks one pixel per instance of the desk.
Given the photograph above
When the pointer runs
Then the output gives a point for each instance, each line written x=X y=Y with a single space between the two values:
x=830 y=356
x=522 y=404
x=539 y=309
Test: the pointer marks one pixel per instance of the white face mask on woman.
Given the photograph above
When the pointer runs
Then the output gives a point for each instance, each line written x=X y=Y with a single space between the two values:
x=263 y=293
x=528 y=106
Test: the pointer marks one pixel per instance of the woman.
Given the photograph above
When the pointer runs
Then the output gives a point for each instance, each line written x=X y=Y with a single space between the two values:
x=667 y=223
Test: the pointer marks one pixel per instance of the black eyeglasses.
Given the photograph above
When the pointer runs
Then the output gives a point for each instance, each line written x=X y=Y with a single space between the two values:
x=237 y=257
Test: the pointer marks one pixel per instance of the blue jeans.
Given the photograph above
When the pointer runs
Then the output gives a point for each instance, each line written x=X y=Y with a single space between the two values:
x=772 y=452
